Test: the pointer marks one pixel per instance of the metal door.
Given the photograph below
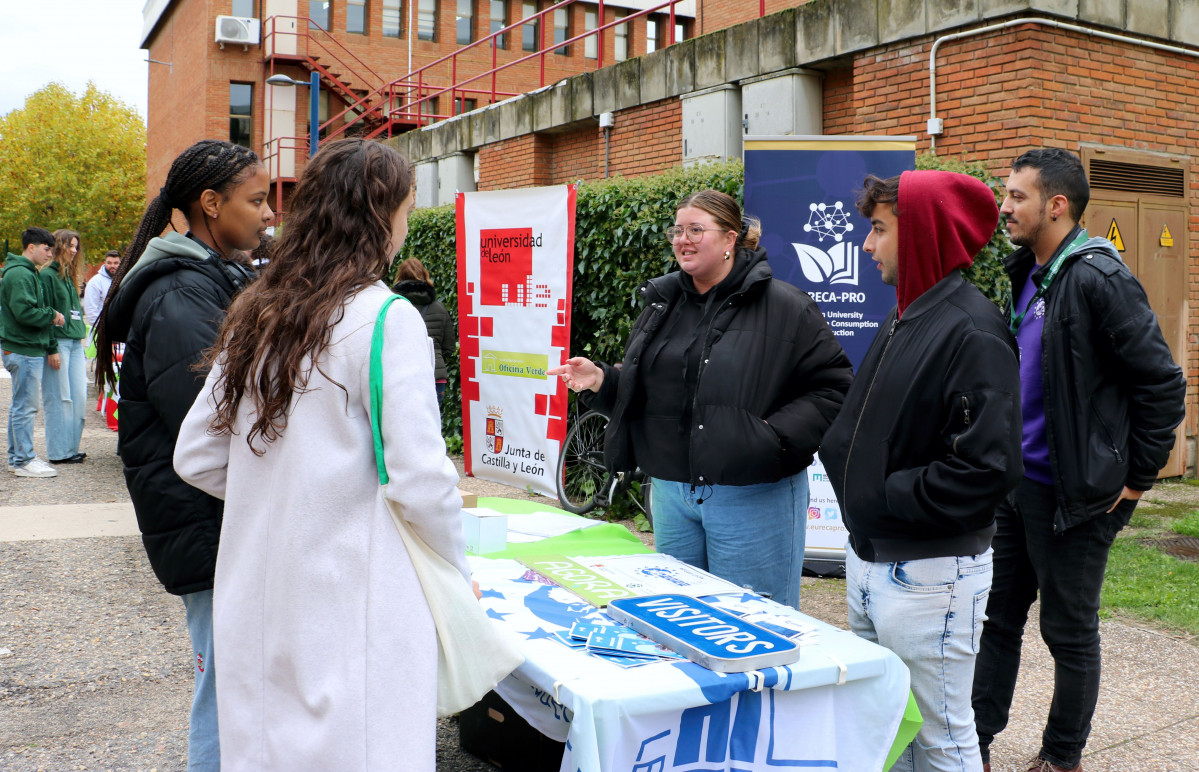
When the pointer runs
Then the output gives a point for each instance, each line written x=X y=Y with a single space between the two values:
x=1151 y=237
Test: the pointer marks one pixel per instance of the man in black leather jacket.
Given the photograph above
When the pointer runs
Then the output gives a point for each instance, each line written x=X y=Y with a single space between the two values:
x=1100 y=397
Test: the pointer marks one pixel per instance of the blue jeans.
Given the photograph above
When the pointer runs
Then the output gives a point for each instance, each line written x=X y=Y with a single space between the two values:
x=64 y=395
x=203 y=739
x=929 y=612
x=750 y=535
x=26 y=387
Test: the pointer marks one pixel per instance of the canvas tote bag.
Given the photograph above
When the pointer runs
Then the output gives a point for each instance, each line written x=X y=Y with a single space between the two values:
x=473 y=653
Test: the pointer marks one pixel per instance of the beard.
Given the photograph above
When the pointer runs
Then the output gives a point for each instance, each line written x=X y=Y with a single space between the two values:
x=1029 y=237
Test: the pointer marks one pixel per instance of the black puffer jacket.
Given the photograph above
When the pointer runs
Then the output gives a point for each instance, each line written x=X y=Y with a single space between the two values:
x=929 y=440
x=1113 y=393
x=168 y=310
x=772 y=378
x=437 y=320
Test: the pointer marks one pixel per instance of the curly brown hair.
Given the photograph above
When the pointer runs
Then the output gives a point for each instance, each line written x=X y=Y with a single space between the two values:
x=335 y=243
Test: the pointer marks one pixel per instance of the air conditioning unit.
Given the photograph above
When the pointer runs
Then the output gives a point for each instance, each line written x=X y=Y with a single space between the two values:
x=237 y=29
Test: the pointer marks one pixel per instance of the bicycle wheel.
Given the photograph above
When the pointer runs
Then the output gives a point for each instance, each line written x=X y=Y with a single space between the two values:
x=581 y=472
x=641 y=494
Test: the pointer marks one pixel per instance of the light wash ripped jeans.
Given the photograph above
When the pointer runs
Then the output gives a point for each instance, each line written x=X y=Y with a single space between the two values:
x=929 y=612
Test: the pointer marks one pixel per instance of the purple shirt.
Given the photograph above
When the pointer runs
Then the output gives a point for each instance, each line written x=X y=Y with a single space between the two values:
x=1032 y=390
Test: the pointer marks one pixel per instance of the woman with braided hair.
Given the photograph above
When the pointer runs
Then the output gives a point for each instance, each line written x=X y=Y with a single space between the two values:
x=166 y=304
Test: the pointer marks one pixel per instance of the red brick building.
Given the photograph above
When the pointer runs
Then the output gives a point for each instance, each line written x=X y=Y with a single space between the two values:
x=201 y=87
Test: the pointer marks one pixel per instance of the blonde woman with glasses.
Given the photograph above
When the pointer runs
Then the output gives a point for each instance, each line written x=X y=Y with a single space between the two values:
x=730 y=379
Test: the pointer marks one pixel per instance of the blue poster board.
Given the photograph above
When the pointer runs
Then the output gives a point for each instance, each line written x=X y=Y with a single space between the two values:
x=803 y=190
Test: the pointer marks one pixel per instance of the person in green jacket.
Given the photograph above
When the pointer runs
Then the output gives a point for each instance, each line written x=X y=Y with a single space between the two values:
x=64 y=391
x=27 y=340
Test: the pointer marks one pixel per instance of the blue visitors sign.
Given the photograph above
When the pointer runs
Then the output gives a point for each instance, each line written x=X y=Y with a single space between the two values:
x=704 y=634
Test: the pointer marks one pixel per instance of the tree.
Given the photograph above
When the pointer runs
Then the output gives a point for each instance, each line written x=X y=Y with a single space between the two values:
x=76 y=162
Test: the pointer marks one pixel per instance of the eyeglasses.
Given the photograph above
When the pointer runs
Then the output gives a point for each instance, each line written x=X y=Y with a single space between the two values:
x=695 y=233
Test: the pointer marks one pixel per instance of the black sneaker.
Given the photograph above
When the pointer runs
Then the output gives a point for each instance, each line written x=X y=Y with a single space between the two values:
x=75 y=459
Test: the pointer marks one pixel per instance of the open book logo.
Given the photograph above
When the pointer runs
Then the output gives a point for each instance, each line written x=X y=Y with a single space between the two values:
x=839 y=265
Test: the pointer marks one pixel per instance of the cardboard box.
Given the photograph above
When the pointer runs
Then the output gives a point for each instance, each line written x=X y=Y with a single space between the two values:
x=494 y=732
x=468 y=499
x=486 y=530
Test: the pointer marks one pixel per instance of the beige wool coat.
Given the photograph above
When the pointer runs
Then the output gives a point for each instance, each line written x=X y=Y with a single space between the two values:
x=325 y=652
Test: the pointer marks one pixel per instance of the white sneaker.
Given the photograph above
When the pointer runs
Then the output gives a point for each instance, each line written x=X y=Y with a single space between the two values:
x=35 y=468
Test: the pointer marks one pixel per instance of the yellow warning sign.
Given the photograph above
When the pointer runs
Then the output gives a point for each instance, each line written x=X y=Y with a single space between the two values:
x=1166 y=240
x=1113 y=235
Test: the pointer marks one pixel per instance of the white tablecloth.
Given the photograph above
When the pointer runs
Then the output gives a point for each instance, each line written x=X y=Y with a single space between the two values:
x=839 y=707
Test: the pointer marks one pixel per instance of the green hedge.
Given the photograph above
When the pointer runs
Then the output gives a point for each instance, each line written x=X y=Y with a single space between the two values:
x=987 y=272
x=619 y=243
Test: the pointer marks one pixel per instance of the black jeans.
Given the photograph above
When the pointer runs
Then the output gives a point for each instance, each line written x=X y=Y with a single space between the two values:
x=1067 y=569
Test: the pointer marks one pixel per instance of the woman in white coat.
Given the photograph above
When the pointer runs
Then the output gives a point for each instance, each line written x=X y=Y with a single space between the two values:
x=328 y=650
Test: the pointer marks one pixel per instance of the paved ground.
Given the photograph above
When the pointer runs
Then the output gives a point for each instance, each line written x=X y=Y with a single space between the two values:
x=94 y=656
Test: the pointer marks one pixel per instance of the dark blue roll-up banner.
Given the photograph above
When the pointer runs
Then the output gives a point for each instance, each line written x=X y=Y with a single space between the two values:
x=803 y=190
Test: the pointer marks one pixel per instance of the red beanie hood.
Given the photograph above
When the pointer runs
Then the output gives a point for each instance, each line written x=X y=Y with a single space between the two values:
x=945 y=218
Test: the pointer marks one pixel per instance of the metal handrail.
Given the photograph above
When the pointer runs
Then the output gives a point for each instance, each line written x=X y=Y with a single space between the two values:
x=405 y=87
x=304 y=29
x=542 y=51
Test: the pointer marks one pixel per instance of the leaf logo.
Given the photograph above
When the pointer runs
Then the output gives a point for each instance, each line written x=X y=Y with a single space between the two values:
x=837 y=266
x=815 y=263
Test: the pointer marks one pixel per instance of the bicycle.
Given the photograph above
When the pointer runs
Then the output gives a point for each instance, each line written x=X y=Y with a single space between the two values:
x=584 y=483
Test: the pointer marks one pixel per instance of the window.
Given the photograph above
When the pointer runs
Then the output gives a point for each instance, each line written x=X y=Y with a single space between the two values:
x=462 y=105
x=241 y=100
x=356 y=16
x=324 y=110
x=393 y=16
x=679 y=32
x=530 y=34
x=562 y=30
x=499 y=20
x=620 y=38
x=428 y=107
x=591 y=42
x=426 y=20
x=318 y=14
x=464 y=22
x=245 y=9
x=653 y=30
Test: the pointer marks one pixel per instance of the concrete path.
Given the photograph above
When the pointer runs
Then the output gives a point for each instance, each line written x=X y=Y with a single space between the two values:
x=67 y=521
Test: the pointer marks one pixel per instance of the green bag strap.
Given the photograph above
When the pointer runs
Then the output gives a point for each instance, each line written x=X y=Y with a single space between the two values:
x=376 y=385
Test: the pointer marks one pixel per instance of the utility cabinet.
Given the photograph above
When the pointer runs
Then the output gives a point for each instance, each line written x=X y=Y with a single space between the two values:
x=455 y=174
x=788 y=103
x=427 y=184
x=712 y=125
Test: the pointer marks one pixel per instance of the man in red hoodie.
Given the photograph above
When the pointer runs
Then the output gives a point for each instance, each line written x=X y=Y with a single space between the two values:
x=924 y=448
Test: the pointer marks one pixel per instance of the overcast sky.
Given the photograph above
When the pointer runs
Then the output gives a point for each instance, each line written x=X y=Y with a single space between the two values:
x=72 y=42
